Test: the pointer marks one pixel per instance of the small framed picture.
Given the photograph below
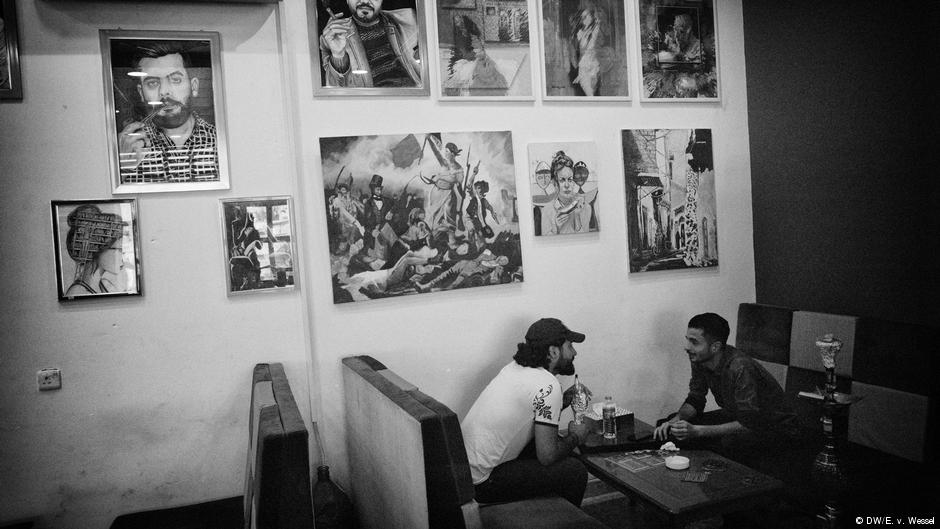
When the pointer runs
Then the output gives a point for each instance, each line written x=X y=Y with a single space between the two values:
x=584 y=50
x=368 y=47
x=97 y=248
x=678 y=50
x=165 y=111
x=258 y=239
x=484 y=50
x=11 y=86
x=563 y=180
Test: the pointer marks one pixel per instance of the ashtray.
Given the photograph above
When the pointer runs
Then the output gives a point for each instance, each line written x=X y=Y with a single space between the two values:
x=677 y=462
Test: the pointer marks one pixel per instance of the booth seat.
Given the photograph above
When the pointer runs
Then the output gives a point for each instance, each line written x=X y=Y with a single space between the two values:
x=409 y=467
x=889 y=436
x=277 y=471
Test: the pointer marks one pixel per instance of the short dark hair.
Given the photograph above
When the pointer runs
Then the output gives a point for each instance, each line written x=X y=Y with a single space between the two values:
x=531 y=354
x=155 y=50
x=713 y=326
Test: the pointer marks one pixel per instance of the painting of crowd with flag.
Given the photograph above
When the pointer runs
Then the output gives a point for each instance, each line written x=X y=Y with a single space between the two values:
x=420 y=212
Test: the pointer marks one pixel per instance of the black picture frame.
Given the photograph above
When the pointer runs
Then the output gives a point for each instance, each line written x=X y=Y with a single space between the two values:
x=11 y=83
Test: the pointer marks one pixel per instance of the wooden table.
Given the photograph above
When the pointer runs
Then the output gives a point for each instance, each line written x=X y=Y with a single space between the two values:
x=734 y=487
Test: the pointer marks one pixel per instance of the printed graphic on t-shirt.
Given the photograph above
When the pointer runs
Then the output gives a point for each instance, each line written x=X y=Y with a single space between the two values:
x=542 y=410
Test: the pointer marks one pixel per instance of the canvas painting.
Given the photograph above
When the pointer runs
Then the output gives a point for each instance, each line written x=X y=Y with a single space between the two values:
x=563 y=181
x=368 y=47
x=420 y=212
x=97 y=248
x=258 y=239
x=484 y=49
x=671 y=208
x=11 y=85
x=678 y=50
x=165 y=110
x=584 y=50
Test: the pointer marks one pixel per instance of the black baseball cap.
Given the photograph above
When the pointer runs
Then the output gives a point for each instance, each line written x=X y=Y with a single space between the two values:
x=551 y=330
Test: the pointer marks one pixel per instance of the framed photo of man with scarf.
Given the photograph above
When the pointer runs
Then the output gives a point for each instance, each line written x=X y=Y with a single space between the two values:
x=165 y=111
x=368 y=47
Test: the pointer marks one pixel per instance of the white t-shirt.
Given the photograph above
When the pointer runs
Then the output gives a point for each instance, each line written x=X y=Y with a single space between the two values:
x=502 y=420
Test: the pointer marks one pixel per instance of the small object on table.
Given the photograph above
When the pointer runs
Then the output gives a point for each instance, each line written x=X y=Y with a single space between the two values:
x=610 y=418
x=677 y=462
x=579 y=404
x=713 y=465
x=695 y=477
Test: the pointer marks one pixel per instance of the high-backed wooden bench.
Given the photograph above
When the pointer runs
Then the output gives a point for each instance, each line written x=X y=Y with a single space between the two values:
x=277 y=473
x=409 y=466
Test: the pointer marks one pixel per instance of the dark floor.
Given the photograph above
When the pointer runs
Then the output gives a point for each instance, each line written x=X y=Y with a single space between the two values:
x=617 y=512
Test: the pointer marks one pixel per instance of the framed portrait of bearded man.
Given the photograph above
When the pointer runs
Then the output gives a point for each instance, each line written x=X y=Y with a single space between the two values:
x=165 y=111
x=368 y=47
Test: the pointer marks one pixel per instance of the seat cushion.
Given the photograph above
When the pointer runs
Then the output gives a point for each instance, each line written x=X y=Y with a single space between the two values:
x=545 y=513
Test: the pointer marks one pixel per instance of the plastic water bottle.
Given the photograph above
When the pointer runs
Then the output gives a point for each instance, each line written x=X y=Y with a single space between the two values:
x=610 y=418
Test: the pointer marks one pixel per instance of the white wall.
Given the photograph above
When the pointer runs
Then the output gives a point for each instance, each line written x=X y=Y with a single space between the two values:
x=153 y=409
x=450 y=344
x=152 y=412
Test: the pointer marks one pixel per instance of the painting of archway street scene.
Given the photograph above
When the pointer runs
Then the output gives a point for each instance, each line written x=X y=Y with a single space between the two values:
x=671 y=207
x=420 y=212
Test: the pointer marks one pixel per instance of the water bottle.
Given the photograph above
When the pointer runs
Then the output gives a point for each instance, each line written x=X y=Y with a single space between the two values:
x=610 y=418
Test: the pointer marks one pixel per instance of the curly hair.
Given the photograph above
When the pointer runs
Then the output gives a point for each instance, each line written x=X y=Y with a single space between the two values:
x=559 y=161
x=531 y=354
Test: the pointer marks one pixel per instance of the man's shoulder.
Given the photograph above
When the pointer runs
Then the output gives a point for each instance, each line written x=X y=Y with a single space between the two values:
x=403 y=17
x=203 y=124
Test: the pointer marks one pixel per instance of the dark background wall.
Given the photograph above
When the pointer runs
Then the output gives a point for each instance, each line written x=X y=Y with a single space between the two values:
x=844 y=146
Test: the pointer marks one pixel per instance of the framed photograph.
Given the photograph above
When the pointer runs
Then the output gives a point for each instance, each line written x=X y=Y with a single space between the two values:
x=563 y=181
x=11 y=86
x=97 y=248
x=258 y=239
x=672 y=219
x=165 y=111
x=421 y=212
x=484 y=50
x=678 y=50
x=584 y=50
x=368 y=47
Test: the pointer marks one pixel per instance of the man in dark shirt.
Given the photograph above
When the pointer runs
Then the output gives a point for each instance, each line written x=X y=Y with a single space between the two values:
x=754 y=410
x=371 y=48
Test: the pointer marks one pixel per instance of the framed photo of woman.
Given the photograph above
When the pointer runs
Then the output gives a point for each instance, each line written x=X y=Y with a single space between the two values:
x=165 y=111
x=258 y=239
x=584 y=50
x=11 y=86
x=368 y=47
x=678 y=50
x=484 y=50
x=97 y=248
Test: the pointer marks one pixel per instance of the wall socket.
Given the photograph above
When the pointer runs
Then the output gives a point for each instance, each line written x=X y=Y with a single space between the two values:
x=49 y=378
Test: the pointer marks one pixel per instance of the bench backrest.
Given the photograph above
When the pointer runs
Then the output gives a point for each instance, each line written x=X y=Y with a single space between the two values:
x=407 y=458
x=277 y=473
x=889 y=364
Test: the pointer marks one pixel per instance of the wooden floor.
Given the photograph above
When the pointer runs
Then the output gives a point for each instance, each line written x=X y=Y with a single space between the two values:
x=614 y=510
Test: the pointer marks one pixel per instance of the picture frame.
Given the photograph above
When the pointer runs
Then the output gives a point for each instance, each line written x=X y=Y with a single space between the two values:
x=422 y=212
x=408 y=76
x=11 y=83
x=97 y=248
x=484 y=50
x=563 y=181
x=678 y=51
x=672 y=211
x=585 y=50
x=259 y=244
x=166 y=130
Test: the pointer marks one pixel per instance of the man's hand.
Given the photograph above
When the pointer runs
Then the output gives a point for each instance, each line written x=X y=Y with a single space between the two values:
x=661 y=433
x=683 y=430
x=580 y=430
x=133 y=139
x=336 y=34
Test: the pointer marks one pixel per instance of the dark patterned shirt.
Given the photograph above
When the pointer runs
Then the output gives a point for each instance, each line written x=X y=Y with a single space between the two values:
x=197 y=160
x=387 y=70
x=744 y=389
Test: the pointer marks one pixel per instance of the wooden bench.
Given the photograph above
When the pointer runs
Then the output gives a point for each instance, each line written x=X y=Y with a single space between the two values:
x=277 y=473
x=409 y=466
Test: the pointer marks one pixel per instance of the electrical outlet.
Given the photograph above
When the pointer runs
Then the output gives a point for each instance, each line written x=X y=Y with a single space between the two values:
x=49 y=378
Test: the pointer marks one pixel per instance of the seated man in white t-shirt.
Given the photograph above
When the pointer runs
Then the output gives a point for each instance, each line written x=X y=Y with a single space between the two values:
x=511 y=432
